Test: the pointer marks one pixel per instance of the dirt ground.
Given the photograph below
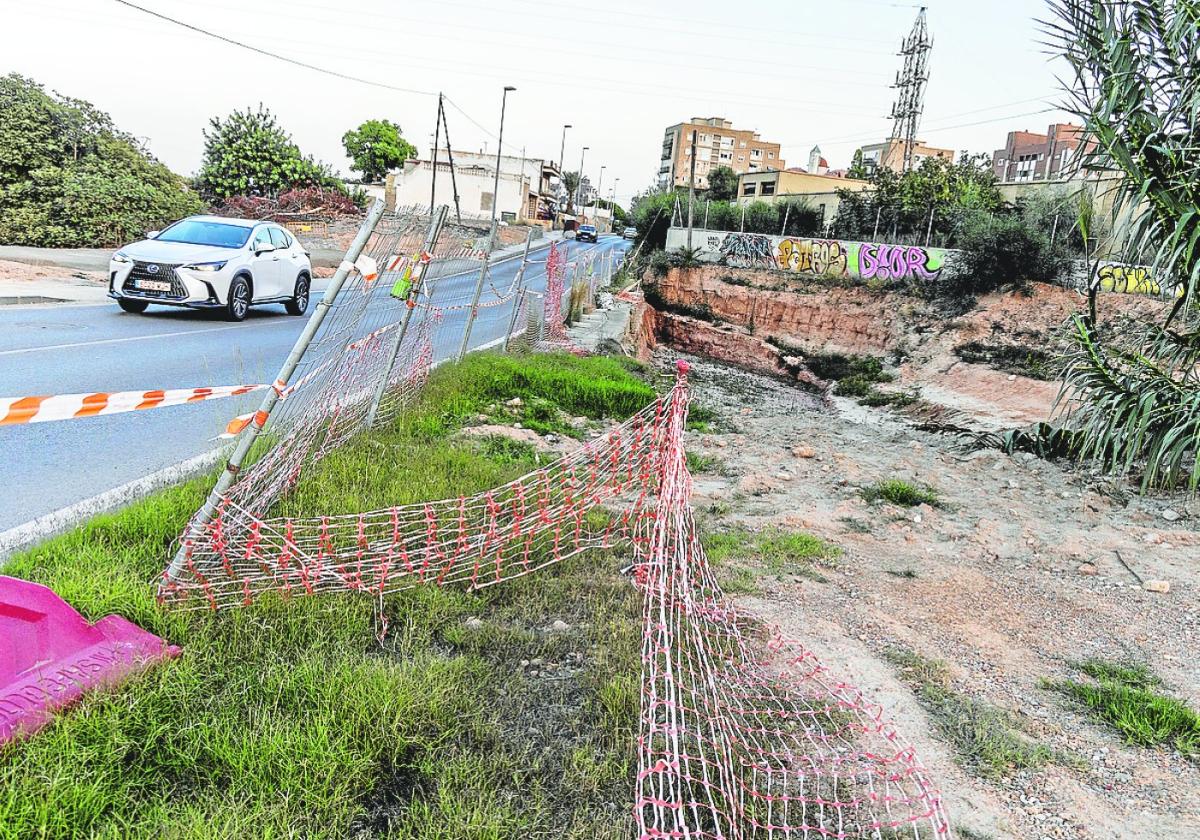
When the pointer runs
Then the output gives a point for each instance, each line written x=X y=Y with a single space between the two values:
x=989 y=582
x=11 y=270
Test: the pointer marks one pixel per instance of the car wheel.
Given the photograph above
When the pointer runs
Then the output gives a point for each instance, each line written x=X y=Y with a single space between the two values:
x=131 y=305
x=298 y=305
x=238 y=303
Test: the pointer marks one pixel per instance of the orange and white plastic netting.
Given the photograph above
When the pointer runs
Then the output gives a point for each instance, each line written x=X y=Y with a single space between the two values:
x=742 y=733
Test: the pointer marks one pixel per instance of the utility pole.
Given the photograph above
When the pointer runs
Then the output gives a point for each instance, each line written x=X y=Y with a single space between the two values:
x=437 y=134
x=410 y=301
x=450 y=158
x=562 y=148
x=599 y=186
x=579 y=182
x=483 y=269
x=691 y=189
x=612 y=204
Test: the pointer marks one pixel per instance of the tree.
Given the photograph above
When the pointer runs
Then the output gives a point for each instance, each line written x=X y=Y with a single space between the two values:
x=722 y=184
x=857 y=169
x=376 y=147
x=1133 y=396
x=70 y=178
x=898 y=206
x=570 y=182
x=248 y=153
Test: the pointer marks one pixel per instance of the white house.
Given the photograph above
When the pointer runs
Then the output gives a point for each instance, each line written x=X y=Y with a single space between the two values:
x=526 y=185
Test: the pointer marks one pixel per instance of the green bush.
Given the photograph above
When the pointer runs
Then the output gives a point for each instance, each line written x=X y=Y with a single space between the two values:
x=1001 y=251
x=69 y=178
x=248 y=153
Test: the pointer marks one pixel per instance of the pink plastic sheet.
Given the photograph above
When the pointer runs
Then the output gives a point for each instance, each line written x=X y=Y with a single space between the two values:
x=49 y=655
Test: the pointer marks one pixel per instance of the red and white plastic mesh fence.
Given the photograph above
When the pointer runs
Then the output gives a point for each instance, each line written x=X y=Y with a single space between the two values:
x=740 y=737
x=539 y=519
x=329 y=396
x=743 y=739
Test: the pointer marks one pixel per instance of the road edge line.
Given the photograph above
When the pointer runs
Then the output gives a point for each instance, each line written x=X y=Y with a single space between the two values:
x=29 y=534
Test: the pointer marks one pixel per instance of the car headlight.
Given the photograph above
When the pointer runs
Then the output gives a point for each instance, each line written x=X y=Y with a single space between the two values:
x=212 y=266
x=121 y=258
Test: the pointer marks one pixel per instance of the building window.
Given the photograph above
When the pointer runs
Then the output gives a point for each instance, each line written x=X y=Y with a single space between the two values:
x=749 y=189
x=771 y=155
x=756 y=153
x=768 y=188
x=726 y=156
x=741 y=158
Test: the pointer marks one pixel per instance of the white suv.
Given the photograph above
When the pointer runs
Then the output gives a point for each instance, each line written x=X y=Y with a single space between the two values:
x=209 y=262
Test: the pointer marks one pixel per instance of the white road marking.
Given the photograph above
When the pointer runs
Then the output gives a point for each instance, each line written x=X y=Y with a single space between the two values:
x=134 y=338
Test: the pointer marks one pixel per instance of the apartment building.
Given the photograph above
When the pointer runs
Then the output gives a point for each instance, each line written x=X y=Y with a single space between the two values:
x=718 y=143
x=1028 y=156
x=890 y=154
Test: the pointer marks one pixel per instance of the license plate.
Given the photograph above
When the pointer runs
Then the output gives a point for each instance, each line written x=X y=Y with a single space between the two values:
x=154 y=285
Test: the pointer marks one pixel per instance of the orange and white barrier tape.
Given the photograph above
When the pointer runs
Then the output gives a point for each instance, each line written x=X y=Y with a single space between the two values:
x=17 y=410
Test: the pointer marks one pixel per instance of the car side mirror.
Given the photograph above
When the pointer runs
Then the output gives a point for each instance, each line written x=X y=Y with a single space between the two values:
x=153 y=234
x=264 y=248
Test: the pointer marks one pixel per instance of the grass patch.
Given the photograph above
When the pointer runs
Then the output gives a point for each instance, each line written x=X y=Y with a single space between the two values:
x=773 y=552
x=698 y=464
x=986 y=739
x=899 y=492
x=701 y=418
x=290 y=720
x=1032 y=362
x=1123 y=696
x=856 y=376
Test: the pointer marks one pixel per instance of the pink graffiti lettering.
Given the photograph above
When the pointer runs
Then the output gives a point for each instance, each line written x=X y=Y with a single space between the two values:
x=894 y=262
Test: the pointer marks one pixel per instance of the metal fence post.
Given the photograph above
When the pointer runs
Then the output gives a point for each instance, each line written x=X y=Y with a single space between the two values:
x=250 y=435
x=520 y=292
x=431 y=237
x=466 y=341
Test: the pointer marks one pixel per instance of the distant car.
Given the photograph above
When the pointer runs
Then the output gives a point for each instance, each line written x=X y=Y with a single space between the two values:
x=629 y=233
x=211 y=262
x=586 y=233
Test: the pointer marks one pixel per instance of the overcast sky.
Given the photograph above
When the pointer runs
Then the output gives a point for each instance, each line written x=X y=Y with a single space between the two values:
x=799 y=71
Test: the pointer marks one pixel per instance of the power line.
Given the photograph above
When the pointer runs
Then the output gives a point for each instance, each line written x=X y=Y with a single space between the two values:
x=936 y=129
x=270 y=54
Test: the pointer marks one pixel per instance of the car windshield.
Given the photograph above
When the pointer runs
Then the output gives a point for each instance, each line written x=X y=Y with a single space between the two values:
x=196 y=232
x=588 y=228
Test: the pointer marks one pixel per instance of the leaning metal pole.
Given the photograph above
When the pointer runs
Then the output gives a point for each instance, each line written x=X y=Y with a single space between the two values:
x=518 y=294
x=410 y=301
x=483 y=270
x=250 y=435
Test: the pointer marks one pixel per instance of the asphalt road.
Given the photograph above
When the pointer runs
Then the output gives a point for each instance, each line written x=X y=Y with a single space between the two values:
x=84 y=349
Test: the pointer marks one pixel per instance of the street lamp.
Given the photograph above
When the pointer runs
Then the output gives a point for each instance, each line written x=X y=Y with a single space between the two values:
x=612 y=204
x=562 y=148
x=499 y=151
x=579 y=182
x=483 y=269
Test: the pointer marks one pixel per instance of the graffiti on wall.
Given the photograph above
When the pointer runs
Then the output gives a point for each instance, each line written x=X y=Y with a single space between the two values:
x=748 y=250
x=1128 y=279
x=898 y=262
x=818 y=257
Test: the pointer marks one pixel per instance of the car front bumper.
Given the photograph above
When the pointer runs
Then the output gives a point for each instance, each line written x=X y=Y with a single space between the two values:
x=186 y=289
